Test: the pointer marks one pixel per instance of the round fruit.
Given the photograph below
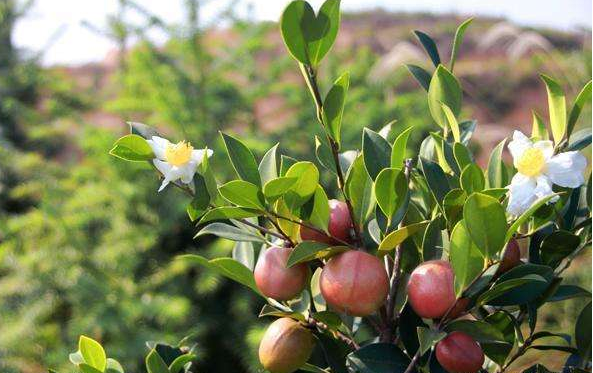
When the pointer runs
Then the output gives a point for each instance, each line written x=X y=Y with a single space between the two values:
x=286 y=346
x=430 y=289
x=276 y=281
x=354 y=282
x=339 y=225
x=459 y=353
x=511 y=257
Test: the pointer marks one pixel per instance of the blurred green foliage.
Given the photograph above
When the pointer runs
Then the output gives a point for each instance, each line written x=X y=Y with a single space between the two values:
x=84 y=247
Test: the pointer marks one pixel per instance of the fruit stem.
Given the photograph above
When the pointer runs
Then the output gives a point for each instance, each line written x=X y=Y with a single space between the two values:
x=312 y=323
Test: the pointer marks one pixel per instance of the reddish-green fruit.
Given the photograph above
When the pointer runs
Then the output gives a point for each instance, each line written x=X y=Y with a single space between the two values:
x=459 y=353
x=459 y=308
x=339 y=225
x=511 y=257
x=355 y=283
x=276 y=281
x=430 y=289
x=286 y=346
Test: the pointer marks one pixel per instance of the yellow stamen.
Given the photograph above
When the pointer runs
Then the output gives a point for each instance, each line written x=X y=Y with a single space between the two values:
x=178 y=154
x=532 y=162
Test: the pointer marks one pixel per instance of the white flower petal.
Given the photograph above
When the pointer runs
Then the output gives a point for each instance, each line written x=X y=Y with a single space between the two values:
x=544 y=188
x=547 y=148
x=566 y=169
x=521 y=194
x=163 y=167
x=158 y=145
x=518 y=145
x=188 y=172
x=197 y=155
x=163 y=185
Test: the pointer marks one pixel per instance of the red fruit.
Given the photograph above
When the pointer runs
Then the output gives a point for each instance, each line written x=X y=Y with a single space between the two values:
x=286 y=346
x=276 y=281
x=430 y=289
x=459 y=353
x=339 y=225
x=459 y=308
x=355 y=283
x=511 y=257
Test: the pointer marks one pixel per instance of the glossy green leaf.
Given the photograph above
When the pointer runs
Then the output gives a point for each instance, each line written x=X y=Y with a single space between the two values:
x=432 y=242
x=201 y=200
x=444 y=89
x=558 y=246
x=359 y=190
x=583 y=98
x=422 y=76
x=155 y=364
x=457 y=40
x=428 y=338
x=92 y=353
x=307 y=179
x=515 y=291
x=178 y=364
x=485 y=221
x=466 y=259
x=400 y=235
x=462 y=155
x=436 y=179
x=556 y=108
x=309 y=250
x=132 y=148
x=497 y=171
x=227 y=267
x=472 y=179
x=333 y=106
x=569 y=292
x=582 y=332
x=376 y=152
x=391 y=188
x=319 y=215
x=228 y=212
x=143 y=130
x=276 y=188
x=244 y=253
x=398 y=151
x=85 y=368
x=243 y=194
x=429 y=46
x=452 y=121
x=229 y=232
x=538 y=128
x=579 y=140
x=479 y=330
x=324 y=155
x=242 y=159
x=378 y=358
x=268 y=168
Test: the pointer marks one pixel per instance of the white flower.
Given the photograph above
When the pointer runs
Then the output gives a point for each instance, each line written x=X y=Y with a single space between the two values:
x=176 y=161
x=537 y=169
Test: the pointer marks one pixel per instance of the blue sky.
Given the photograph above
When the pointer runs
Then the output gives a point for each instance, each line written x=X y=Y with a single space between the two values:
x=76 y=44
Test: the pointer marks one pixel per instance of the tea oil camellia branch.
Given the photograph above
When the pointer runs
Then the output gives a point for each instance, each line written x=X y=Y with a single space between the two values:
x=421 y=253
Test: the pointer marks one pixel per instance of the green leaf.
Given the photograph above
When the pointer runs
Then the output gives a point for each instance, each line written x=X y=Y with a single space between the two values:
x=432 y=242
x=472 y=179
x=391 y=188
x=436 y=179
x=579 y=140
x=319 y=215
x=309 y=250
x=228 y=212
x=201 y=200
x=276 y=188
x=538 y=128
x=376 y=152
x=244 y=253
x=324 y=155
x=444 y=89
x=398 y=152
x=285 y=163
x=155 y=364
x=378 y=358
x=452 y=121
x=242 y=160
x=583 y=97
x=307 y=179
x=243 y=194
x=398 y=236
x=582 y=332
x=568 y=292
x=428 y=338
x=309 y=37
x=481 y=331
x=453 y=206
x=515 y=291
x=466 y=259
x=85 y=368
x=429 y=46
x=556 y=107
x=457 y=40
x=422 y=76
x=316 y=295
x=229 y=232
x=267 y=168
x=462 y=155
x=333 y=106
x=359 y=190
x=178 y=364
x=497 y=171
x=557 y=246
x=132 y=148
x=526 y=215
x=485 y=220
x=143 y=130
x=227 y=267
x=113 y=366
x=92 y=352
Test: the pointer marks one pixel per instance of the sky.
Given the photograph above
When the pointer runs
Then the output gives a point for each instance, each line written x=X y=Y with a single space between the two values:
x=56 y=25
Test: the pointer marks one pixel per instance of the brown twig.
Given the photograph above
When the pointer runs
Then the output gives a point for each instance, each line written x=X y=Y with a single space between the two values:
x=312 y=323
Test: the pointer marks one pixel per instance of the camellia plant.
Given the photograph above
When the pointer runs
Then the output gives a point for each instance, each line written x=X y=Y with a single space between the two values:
x=428 y=263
